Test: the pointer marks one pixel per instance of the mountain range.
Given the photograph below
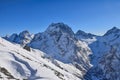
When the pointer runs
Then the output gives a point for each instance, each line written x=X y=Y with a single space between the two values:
x=60 y=54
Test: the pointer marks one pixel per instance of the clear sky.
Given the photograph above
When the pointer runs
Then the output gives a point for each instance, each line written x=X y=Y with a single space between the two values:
x=94 y=16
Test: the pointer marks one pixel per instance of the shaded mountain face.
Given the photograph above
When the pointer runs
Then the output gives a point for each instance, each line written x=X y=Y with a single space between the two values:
x=59 y=42
x=105 y=57
x=109 y=64
x=23 y=38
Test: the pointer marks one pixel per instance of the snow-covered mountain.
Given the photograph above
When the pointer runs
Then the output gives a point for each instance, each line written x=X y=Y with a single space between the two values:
x=59 y=42
x=104 y=43
x=106 y=56
x=86 y=37
x=22 y=38
x=63 y=54
x=83 y=35
x=18 y=63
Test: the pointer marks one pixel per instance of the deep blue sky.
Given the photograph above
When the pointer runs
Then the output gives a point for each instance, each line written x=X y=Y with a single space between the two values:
x=94 y=16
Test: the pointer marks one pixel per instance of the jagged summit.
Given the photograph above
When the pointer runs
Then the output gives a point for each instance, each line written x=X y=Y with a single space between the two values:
x=80 y=32
x=23 y=37
x=83 y=35
x=113 y=30
x=24 y=34
x=59 y=28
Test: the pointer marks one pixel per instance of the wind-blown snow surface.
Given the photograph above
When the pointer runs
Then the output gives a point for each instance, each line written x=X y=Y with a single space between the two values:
x=17 y=63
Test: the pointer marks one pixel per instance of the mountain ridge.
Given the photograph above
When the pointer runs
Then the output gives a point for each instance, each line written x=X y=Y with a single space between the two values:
x=86 y=51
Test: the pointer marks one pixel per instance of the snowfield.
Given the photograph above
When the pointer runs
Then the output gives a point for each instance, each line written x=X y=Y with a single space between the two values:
x=18 y=63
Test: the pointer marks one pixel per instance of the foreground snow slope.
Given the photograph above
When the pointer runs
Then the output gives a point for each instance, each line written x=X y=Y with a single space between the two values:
x=18 y=63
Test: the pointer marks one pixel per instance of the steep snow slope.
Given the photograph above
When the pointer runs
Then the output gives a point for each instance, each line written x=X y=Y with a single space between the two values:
x=109 y=65
x=110 y=60
x=59 y=42
x=100 y=44
x=18 y=63
x=105 y=58
x=104 y=43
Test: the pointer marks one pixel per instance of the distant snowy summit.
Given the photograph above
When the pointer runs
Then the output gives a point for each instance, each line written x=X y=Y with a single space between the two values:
x=83 y=35
x=114 y=30
x=22 y=38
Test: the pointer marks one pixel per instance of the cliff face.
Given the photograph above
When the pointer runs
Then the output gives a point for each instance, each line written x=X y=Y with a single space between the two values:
x=59 y=42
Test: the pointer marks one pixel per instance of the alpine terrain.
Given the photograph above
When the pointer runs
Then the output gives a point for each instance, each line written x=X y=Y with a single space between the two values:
x=60 y=54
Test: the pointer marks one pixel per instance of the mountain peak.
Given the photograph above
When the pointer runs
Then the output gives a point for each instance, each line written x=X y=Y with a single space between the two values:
x=83 y=35
x=112 y=30
x=59 y=27
x=24 y=34
x=25 y=31
x=80 y=32
x=22 y=38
